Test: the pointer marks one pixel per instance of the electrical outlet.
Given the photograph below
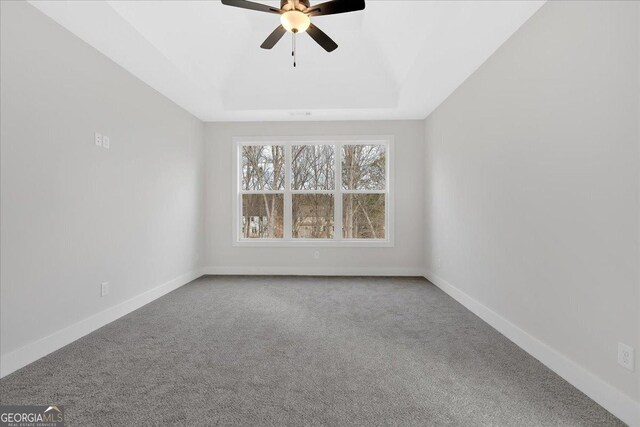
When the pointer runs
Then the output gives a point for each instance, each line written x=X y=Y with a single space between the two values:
x=316 y=255
x=104 y=289
x=626 y=356
x=106 y=142
x=97 y=139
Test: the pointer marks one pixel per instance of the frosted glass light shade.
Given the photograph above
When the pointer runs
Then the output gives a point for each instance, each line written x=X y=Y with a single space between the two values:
x=295 y=21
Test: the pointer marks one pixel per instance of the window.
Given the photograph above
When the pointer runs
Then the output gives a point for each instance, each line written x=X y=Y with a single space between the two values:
x=313 y=192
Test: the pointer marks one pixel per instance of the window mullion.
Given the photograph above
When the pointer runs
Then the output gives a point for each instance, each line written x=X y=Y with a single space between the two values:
x=364 y=192
x=337 y=198
x=329 y=192
x=288 y=203
x=239 y=214
x=260 y=192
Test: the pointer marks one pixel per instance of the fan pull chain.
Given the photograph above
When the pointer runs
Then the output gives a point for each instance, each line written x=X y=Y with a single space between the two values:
x=294 y=49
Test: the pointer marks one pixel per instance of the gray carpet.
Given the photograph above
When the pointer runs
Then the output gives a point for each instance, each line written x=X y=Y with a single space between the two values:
x=296 y=351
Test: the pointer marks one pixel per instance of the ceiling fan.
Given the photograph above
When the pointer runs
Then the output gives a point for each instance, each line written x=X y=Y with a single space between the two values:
x=295 y=18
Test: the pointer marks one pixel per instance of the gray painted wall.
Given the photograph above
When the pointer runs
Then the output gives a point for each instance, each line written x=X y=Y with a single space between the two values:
x=407 y=257
x=533 y=184
x=73 y=214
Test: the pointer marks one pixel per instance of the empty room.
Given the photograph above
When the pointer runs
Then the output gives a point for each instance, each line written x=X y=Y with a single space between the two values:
x=319 y=213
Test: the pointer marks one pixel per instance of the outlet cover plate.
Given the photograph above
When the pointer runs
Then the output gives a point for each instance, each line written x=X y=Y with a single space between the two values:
x=626 y=356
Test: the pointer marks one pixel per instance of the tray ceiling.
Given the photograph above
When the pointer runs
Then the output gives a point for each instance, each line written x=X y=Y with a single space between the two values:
x=396 y=59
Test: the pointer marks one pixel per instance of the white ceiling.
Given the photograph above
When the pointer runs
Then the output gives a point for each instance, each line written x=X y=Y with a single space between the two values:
x=396 y=59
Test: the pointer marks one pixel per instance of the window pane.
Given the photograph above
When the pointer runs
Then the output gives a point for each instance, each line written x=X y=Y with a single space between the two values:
x=262 y=216
x=363 y=167
x=313 y=167
x=363 y=216
x=262 y=167
x=312 y=216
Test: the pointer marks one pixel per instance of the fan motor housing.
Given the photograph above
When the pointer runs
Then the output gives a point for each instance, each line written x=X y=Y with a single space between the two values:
x=300 y=5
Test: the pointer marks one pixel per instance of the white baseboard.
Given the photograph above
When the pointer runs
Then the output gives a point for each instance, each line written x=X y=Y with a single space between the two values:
x=609 y=397
x=314 y=271
x=31 y=352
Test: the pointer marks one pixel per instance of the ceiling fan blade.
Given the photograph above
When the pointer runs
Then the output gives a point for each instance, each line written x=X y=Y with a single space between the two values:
x=244 y=4
x=273 y=38
x=321 y=38
x=335 y=6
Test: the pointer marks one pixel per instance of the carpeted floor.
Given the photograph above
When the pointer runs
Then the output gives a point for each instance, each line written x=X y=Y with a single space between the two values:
x=296 y=351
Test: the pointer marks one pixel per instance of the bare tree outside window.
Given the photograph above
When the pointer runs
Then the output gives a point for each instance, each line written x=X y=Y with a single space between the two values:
x=262 y=167
x=363 y=216
x=262 y=170
x=313 y=216
x=313 y=167
x=262 y=216
x=363 y=168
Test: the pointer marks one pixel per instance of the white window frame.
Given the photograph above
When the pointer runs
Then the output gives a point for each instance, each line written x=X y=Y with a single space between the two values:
x=338 y=142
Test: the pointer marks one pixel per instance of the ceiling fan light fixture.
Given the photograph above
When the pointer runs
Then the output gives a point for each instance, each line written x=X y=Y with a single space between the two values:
x=295 y=21
x=294 y=18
